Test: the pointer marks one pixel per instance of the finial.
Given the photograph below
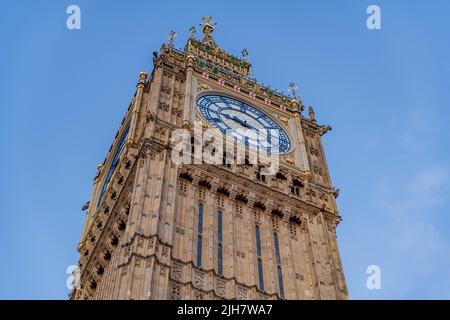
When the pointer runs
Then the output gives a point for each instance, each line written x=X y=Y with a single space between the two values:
x=156 y=60
x=293 y=89
x=207 y=22
x=295 y=103
x=247 y=60
x=142 y=78
x=170 y=39
x=208 y=28
x=312 y=115
x=192 y=31
x=245 y=54
x=143 y=75
x=99 y=171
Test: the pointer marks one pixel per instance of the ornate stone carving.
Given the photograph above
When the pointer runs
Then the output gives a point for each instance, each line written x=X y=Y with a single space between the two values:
x=176 y=292
x=262 y=296
x=314 y=151
x=177 y=270
x=220 y=287
x=283 y=119
x=163 y=106
x=203 y=87
x=242 y=293
x=289 y=159
x=140 y=243
x=317 y=168
x=275 y=222
x=166 y=89
x=164 y=251
x=198 y=295
x=179 y=230
x=199 y=279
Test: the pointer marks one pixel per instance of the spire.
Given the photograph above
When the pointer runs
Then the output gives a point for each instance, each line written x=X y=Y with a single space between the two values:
x=312 y=115
x=247 y=60
x=245 y=55
x=210 y=57
x=293 y=89
x=192 y=31
x=208 y=28
x=296 y=102
x=170 y=39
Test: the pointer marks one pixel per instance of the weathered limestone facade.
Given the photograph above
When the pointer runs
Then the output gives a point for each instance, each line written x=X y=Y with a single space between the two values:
x=140 y=237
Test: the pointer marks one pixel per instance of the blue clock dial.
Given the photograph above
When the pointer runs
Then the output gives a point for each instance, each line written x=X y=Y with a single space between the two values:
x=228 y=114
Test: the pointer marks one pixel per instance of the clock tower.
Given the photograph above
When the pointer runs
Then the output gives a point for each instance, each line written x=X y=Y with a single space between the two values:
x=157 y=228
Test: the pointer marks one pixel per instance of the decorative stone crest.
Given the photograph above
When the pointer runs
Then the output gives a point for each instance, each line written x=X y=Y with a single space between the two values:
x=199 y=279
x=220 y=287
x=242 y=293
x=177 y=270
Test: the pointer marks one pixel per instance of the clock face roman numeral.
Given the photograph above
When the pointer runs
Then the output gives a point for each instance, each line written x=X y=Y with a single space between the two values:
x=228 y=113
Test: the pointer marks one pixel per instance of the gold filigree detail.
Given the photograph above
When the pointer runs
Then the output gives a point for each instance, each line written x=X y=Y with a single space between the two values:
x=283 y=119
x=203 y=87
x=289 y=159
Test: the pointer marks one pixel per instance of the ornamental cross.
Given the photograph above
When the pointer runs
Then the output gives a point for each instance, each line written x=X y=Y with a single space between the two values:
x=293 y=88
x=207 y=20
x=208 y=28
x=245 y=54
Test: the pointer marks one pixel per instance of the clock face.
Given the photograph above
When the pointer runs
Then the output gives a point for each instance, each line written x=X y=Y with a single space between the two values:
x=236 y=119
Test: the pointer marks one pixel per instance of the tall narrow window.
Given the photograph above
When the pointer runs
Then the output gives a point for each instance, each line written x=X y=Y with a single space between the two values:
x=219 y=241
x=277 y=255
x=258 y=253
x=277 y=248
x=114 y=163
x=200 y=234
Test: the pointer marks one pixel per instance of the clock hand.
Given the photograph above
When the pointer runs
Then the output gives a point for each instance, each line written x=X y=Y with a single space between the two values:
x=263 y=137
x=242 y=122
x=236 y=119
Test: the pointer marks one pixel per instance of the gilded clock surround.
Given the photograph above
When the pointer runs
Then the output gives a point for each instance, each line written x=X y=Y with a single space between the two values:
x=141 y=242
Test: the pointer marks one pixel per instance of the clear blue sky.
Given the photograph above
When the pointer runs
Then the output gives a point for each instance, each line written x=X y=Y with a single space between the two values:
x=385 y=92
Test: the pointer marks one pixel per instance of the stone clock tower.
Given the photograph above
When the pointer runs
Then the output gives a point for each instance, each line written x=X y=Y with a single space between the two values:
x=156 y=229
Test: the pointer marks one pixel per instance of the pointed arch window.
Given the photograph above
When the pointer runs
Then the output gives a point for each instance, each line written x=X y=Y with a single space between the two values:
x=259 y=257
x=278 y=259
x=219 y=243
x=199 y=235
